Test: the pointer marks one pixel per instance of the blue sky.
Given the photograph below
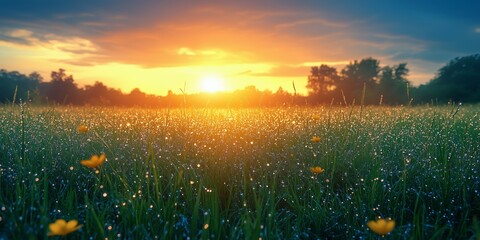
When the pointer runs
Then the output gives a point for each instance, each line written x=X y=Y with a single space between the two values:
x=160 y=45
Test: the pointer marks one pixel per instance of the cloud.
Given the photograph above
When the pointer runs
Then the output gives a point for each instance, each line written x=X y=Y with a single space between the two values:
x=20 y=33
x=295 y=70
x=283 y=71
x=312 y=21
x=211 y=34
x=75 y=45
x=186 y=51
x=288 y=36
x=329 y=63
x=205 y=41
x=63 y=49
x=17 y=36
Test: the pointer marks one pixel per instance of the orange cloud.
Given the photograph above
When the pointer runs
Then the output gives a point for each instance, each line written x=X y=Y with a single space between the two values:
x=284 y=71
x=213 y=36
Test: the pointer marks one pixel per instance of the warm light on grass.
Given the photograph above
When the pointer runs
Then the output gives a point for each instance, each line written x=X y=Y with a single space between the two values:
x=239 y=173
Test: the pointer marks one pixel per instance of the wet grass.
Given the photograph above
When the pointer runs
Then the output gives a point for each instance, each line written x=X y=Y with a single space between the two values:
x=241 y=173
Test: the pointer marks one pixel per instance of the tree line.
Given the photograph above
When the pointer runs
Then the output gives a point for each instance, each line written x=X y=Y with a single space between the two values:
x=360 y=82
x=366 y=81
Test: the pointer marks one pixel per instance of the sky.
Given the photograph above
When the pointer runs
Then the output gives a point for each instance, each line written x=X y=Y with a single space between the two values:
x=171 y=45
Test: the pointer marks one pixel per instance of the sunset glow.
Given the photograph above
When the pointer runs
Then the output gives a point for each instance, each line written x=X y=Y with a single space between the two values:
x=239 y=119
x=261 y=44
x=211 y=83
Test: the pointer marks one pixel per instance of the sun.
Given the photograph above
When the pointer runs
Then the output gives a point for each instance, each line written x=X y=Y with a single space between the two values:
x=211 y=83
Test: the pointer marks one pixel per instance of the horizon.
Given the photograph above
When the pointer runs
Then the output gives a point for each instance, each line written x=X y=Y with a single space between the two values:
x=150 y=46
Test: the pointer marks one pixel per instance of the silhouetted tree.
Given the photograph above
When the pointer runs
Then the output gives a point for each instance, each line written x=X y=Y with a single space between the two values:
x=393 y=84
x=322 y=81
x=281 y=97
x=458 y=81
x=249 y=96
x=116 y=97
x=34 y=90
x=61 y=89
x=26 y=87
x=96 y=94
x=356 y=74
x=137 y=97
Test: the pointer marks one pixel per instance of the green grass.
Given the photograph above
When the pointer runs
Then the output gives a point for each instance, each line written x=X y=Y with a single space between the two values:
x=241 y=173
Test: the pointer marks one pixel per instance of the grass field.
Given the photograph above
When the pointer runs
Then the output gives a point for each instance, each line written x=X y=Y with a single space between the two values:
x=241 y=173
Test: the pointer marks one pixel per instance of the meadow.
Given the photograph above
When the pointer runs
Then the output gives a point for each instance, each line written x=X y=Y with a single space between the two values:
x=241 y=173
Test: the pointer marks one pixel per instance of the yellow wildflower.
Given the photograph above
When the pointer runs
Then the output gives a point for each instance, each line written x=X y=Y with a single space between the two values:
x=315 y=139
x=82 y=129
x=317 y=170
x=61 y=227
x=381 y=226
x=94 y=161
